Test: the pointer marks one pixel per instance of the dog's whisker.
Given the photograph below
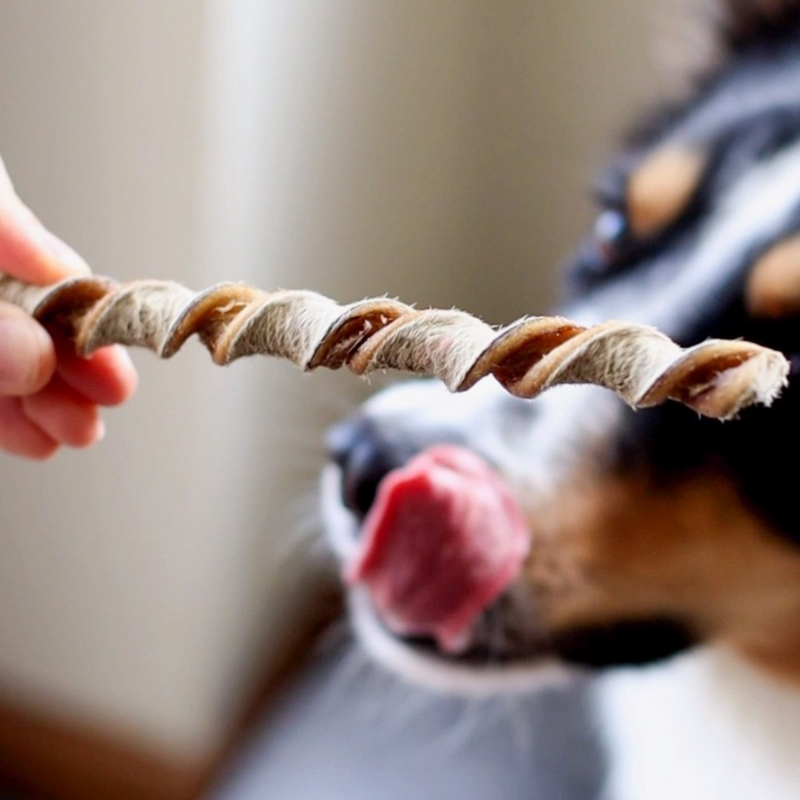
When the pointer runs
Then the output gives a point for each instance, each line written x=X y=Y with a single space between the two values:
x=516 y=716
x=470 y=717
x=350 y=667
x=403 y=705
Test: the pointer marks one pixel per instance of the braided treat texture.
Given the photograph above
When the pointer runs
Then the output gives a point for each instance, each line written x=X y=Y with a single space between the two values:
x=716 y=378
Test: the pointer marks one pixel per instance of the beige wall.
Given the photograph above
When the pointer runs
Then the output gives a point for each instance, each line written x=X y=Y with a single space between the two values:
x=437 y=151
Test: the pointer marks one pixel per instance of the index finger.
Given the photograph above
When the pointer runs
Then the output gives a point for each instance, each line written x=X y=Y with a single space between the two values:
x=107 y=377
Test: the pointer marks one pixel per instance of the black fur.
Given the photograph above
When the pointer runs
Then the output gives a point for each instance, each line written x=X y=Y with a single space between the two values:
x=744 y=25
x=623 y=643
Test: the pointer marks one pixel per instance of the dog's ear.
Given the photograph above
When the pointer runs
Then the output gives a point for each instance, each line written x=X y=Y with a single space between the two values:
x=704 y=35
x=741 y=24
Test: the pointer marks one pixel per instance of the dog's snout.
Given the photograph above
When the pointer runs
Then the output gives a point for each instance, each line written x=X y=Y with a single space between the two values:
x=365 y=455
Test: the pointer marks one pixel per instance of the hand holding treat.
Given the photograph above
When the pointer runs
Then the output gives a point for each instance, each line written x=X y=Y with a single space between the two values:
x=48 y=395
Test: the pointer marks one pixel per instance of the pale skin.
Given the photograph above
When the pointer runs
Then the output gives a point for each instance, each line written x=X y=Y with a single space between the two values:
x=49 y=397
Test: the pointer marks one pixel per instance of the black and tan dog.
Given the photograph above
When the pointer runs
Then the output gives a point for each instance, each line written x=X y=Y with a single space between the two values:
x=660 y=548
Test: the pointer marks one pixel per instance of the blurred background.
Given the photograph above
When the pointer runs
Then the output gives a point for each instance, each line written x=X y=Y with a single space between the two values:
x=434 y=151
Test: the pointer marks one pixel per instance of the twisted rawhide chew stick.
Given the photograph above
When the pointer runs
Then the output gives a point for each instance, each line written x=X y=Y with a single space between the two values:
x=716 y=378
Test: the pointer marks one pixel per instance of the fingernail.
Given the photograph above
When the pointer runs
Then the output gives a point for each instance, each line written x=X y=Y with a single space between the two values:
x=65 y=257
x=124 y=356
x=54 y=258
x=24 y=348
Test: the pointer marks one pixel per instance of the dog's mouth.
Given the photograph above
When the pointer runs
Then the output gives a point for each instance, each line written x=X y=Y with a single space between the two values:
x=442 y=583
x=442 y=543
x=492 y=640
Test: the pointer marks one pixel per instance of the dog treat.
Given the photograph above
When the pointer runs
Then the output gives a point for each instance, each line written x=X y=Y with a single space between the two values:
x=716 y=378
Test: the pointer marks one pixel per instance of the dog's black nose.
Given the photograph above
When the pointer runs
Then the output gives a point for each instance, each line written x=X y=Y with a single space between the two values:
x=365 y=454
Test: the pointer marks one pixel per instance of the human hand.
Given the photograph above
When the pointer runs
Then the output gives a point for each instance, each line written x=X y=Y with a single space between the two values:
x=49 y=396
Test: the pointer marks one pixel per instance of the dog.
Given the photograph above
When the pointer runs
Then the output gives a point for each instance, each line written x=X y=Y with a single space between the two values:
x=655 y=548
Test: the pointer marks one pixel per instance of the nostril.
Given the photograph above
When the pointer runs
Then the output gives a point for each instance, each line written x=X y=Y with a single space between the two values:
x=365 y=456
x=341 y=439
x=366 y=467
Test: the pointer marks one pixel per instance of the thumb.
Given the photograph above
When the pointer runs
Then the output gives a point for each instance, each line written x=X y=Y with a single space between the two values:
x=29 y=251
x=27 y=355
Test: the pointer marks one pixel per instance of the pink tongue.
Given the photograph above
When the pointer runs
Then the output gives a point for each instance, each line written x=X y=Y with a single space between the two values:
x=441 y=542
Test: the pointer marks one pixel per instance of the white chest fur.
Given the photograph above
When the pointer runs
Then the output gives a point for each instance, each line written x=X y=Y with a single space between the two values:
x=704 y=726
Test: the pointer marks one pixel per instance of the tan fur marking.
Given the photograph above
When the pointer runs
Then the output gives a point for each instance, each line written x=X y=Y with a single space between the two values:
x=773 y=286
x=661 y=187
x=608 y=550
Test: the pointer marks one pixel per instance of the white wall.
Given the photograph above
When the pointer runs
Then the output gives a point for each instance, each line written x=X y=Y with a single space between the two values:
x=437 y=151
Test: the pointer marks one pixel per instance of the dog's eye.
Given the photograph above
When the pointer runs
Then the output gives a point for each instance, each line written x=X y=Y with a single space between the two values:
x=611 y=232
x=606 y=249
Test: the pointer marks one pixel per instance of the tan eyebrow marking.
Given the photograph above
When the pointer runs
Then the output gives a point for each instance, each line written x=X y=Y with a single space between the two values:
x=661 y=187
x=773 y=285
